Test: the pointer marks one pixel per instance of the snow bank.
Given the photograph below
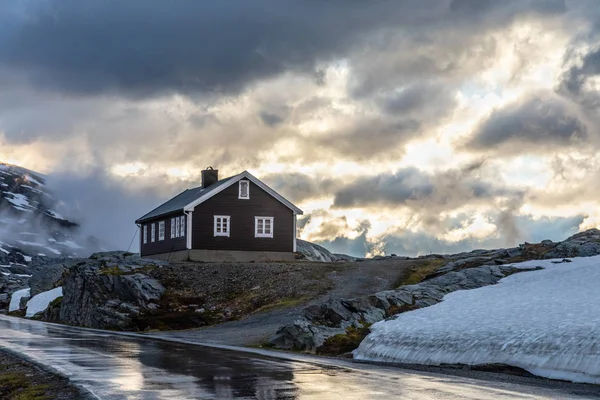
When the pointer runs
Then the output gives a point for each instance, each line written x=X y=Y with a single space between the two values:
x=546 y=322
x=40 y=302
x=16 y=299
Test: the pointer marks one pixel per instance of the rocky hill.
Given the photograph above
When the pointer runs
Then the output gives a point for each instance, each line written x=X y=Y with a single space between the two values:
x=32 y=233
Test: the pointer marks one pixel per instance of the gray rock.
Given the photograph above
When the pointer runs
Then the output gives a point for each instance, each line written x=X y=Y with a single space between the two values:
x=46 y=278
x=313 y=252
x=335 y=315
x=302 y=335
x=23 y=302
x=109 y=291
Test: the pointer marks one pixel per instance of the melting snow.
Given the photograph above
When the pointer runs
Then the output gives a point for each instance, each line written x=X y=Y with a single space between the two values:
x=54 y=214
x=40 y=302
x=546 y=322
x=16 y=299
x=20 y=201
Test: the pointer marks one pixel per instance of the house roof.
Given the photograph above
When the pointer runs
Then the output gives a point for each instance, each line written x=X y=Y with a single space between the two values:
x=187 y=200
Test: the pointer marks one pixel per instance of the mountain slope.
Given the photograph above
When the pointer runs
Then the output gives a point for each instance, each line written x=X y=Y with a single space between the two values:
x=29 y=224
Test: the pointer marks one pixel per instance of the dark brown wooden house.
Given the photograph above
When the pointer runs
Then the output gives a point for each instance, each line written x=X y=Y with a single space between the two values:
x=233 y=219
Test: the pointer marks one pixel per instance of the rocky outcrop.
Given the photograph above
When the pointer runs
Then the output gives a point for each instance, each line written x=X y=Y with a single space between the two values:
x=109 y=290
x=337 y=315
x=313 y=252
x=48 y=278
x=9 y=284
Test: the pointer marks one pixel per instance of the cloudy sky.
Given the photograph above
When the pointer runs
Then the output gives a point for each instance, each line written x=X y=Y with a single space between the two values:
x=404 y=127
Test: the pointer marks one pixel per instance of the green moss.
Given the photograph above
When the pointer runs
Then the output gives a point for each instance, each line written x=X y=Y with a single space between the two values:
x=112 y=271
x=418 y=273
x=344 y=342
x=283 y=303
x=17 y=386
x=56 y=303
x=116 y=271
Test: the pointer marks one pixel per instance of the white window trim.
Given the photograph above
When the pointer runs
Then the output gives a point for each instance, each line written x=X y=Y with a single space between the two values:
x=172 y=228
x=263 y=235
x=247 y=183
x=145 y=233
x=226 y=218
x=182 y=226
x=161 y=230
x=153 y=233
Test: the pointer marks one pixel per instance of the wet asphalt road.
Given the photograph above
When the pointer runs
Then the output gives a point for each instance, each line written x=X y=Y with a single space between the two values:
x=118 y=367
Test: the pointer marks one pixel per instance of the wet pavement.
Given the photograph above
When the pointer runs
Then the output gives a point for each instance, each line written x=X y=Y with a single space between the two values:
x=118 y=367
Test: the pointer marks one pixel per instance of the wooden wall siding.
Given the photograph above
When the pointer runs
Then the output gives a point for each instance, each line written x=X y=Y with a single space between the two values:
x=161 y=246
x=242 y=214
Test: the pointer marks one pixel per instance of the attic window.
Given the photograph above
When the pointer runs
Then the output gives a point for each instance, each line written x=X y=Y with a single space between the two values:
x=244 y=190
x=221 y=227
x=263 y=227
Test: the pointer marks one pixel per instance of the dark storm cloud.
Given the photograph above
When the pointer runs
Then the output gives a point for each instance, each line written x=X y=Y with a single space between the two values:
x=534 y=122
x=574 y=82
x=299 y=187
x=141 y=47
x=417 y=189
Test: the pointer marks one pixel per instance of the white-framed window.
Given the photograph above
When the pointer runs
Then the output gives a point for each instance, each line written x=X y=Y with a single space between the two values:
x=222 y=225
x=161 y=230
x=263 y=227
x=182 y=226
x=153 y=233
x=145 y=233
x=244 y=190
x=178 y=227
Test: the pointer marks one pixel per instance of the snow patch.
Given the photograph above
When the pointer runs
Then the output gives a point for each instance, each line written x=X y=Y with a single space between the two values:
x=16 y=297
x=40 y=302
x=20 y=201
x=546 y=322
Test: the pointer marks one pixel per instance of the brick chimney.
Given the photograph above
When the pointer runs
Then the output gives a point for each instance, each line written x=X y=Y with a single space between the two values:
x=209 y=176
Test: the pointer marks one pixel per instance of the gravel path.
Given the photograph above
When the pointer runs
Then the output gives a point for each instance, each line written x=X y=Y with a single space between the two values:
x=350 y=280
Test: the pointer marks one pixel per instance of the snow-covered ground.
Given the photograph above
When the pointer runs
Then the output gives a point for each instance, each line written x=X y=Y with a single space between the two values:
x=16 y=297
x=40 y=302
x=546 y=322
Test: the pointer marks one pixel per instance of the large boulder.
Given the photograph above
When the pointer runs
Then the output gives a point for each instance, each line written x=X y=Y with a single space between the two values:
x=47 y=278
x=109 y=291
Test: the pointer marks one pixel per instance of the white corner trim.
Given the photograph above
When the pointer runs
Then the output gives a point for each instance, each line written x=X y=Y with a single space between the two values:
x=227 y=218
x=188 y=232
x=233 y=180
x=295 y=233
x=247 y=183
x=263 y=235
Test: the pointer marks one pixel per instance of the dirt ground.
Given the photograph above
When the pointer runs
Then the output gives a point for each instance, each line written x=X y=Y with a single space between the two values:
x=304 y=284
x=24 y=381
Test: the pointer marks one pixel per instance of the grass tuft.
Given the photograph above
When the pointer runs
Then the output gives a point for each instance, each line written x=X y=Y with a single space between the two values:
x=418 y=273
